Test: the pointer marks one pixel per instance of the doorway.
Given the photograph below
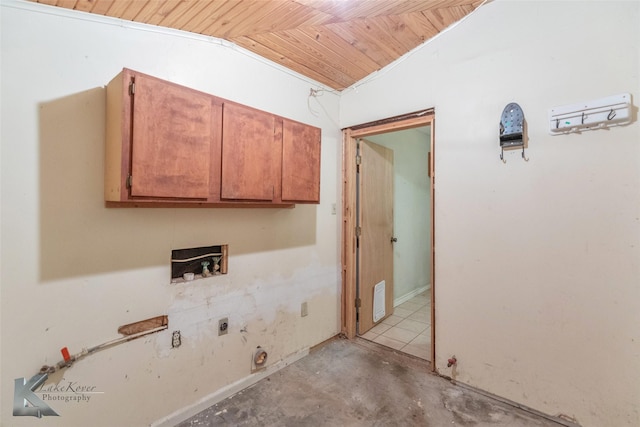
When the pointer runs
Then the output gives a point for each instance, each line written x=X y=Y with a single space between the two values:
x=412 y=305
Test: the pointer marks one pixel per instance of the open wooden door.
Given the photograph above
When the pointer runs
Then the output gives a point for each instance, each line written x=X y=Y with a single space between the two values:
x=375 y=222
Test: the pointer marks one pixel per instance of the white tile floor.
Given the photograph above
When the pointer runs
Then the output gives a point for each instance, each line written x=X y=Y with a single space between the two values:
x=408 y=329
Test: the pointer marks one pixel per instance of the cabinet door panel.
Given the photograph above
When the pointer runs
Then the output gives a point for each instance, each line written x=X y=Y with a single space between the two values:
x=300 y=163
x=171 y=141
x=249 y=154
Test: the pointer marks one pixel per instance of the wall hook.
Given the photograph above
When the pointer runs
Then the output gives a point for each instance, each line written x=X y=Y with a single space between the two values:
x=512 y=130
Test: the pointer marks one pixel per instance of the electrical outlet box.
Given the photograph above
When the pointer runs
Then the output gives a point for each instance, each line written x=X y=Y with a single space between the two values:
x=176 y=339
x=304 y=311
x=223 y=326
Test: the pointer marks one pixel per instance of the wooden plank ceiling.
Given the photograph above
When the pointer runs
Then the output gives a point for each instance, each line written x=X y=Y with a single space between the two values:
x=336 y=42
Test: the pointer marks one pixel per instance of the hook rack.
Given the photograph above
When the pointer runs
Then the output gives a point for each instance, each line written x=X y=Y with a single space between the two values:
x=601 y=113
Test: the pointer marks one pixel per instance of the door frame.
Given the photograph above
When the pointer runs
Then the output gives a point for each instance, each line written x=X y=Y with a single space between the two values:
x=350 y=135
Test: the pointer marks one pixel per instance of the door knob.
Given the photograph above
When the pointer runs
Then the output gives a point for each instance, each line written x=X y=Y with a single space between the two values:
x=394 y=239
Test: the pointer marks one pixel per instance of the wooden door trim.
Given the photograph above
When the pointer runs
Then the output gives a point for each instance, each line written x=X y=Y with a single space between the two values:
x=348 y=234
x=407 y=121
x=432 y=164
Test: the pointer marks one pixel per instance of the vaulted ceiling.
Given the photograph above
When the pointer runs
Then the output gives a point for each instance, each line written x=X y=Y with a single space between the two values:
x=336 y=42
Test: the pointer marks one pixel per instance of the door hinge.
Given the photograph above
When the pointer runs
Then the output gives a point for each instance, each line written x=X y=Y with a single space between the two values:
x=358 y=231
x=358 y=303
x=358 y=159
x=129 y=181
x=132 y=88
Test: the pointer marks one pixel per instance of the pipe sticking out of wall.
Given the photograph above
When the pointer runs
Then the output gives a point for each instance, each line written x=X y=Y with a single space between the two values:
x=131 y=332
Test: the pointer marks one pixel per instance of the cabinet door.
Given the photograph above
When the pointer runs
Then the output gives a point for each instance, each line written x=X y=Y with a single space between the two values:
x=171 y=140
x=250 y=154
x=300 y=163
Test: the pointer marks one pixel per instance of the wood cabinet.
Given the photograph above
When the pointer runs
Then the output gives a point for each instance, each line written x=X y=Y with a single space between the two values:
x=300 y=162
x=171 y=137
x=168 y=144
x=251 y=147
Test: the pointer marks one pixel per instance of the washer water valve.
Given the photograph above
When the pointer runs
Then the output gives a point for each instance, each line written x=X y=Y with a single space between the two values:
x=452 y=361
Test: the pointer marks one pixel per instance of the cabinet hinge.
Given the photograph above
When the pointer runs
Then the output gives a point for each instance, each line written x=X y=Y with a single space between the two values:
x=132 y=88
x=358 y=302
x=129 y=181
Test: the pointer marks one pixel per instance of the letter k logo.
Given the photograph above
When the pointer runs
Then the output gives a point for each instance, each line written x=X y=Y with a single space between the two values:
x=23 y=395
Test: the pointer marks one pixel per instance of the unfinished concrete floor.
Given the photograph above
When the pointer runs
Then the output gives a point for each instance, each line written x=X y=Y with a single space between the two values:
x=358 y=383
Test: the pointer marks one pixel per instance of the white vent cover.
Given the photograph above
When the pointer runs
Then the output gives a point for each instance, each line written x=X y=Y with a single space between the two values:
x=378 y=301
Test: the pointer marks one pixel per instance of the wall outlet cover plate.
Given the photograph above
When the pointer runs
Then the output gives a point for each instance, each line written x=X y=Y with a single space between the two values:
x=223 y=326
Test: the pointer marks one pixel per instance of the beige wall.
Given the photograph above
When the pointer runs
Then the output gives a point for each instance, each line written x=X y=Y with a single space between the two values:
x=73 y=271
x=537 y=263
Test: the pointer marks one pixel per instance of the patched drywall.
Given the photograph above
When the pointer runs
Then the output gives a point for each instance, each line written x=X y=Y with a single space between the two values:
x=537 y=268
x=73 y=271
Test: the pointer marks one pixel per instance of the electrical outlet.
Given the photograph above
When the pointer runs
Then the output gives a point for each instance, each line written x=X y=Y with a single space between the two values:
x=223 y=326
x=176 y=339
x=304 y=311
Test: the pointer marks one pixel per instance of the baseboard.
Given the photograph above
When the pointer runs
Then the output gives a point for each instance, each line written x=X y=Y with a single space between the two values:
x=561 y=420
x=187 y=412
x=407 y=297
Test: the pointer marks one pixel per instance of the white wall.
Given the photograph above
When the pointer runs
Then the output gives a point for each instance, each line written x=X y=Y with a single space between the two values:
x=411 y=210
x=537 y=263
x=72 y=270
